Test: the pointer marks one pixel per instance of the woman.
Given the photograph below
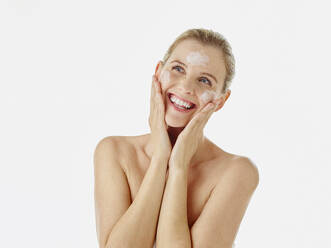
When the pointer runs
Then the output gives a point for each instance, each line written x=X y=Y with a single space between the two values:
x=174 y=187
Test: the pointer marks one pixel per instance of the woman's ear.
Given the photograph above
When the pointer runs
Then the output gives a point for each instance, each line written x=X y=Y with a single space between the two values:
x=158 y=68
x=222 y=100
x=227 y=94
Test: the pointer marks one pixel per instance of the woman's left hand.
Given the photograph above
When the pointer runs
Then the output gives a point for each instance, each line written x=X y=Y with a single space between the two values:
x=188 y=140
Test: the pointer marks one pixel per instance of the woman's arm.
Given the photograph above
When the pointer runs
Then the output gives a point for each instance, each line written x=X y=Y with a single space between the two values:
x=173 y=230
x=120 y=224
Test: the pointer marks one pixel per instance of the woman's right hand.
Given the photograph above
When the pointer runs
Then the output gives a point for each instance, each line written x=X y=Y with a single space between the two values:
x=159 y=134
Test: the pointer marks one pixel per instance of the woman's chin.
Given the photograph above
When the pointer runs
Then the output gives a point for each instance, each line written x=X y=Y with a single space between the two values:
x=175 y=123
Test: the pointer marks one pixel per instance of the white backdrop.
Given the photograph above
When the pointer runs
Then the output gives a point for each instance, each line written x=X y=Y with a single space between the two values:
x=73 y=72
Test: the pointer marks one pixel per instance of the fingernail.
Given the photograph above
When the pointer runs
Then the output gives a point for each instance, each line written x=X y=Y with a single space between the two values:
x=210 y=106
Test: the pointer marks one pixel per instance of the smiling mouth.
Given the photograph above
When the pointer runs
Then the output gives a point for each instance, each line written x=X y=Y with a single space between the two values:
x=180 y=105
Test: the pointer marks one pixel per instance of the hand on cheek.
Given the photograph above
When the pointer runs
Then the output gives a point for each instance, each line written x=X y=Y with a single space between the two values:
x=192 y=134
x=158 y=78
x=207 y=96
x=210 y=96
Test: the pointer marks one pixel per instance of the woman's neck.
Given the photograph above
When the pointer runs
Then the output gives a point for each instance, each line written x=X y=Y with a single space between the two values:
x=173 y=133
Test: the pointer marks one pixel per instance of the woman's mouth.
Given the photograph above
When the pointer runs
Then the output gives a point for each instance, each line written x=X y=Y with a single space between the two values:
x=179 y=104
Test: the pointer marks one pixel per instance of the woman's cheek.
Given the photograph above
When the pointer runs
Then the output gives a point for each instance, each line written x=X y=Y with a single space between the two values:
x=165 y=78
x=207 y=96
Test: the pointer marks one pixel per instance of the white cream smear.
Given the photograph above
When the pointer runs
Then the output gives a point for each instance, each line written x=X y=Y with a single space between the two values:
x=209 y=95
x=165 y=77
x=196 y=58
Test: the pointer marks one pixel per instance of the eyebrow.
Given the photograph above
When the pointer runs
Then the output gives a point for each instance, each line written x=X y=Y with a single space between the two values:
x=203 y=73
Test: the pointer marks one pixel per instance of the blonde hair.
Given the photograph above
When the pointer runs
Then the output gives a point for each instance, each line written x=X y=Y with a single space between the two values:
x=209 y=37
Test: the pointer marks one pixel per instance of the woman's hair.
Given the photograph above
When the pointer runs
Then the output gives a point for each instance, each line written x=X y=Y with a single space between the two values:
x=209 y=37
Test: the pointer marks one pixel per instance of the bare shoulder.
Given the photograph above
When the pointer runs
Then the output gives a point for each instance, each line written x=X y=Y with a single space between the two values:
x=236 y=169
x=110 y=144
x=243 y=170
x=115 y=143
x=122 y=148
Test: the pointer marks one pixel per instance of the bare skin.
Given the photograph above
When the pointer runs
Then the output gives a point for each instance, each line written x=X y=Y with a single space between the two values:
x=209 y=160
x=145 y=157
x=203 y=175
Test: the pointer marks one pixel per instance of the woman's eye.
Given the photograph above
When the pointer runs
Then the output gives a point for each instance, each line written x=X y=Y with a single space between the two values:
x=205 y=80
x=177 y=67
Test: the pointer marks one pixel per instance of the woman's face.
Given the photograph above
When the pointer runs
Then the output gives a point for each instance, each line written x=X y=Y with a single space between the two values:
x=194 y=74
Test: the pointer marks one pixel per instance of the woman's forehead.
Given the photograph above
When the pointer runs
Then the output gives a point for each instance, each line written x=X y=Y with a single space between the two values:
x=186 y=46
x=193 y=53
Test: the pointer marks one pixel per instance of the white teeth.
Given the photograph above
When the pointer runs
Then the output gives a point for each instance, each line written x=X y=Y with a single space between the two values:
x=180 y=102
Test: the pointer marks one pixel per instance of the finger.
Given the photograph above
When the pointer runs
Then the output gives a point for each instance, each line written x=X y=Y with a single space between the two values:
x=199 y=120
x=158 y=101
x=155 y=106
x=206 y=113
x=158 y=104
x=152 y=99
x=157 y=85
x=156 y=89
x=208 y=107
x=152 y=88
x=162 y=92
x=158 y=92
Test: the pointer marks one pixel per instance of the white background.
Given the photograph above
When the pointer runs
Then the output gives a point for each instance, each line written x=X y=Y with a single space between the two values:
x=73 y=72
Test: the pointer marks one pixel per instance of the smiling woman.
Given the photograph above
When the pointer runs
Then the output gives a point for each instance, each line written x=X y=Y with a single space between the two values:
x=174 y=187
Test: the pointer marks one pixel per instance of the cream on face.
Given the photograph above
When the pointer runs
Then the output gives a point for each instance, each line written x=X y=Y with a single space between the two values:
x=208 y=96
x=165 y=77
x=196 y=58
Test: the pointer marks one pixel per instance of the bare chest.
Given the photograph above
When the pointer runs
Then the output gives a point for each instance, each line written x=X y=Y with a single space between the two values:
x=201 y=181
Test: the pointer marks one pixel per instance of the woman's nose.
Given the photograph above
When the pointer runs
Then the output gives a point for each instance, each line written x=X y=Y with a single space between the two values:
x=187 y=86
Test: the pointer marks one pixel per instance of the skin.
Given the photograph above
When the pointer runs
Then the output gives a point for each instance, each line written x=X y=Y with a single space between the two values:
x=188 y=82
x=184 y=179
